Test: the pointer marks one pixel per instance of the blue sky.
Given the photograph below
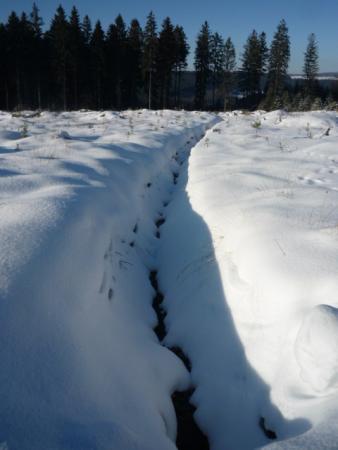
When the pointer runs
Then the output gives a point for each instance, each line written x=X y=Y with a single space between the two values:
x=229 y=17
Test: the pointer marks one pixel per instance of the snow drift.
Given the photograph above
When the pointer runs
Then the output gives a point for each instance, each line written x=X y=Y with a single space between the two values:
x=257 y=227
x=81 y=367
x=247 y=263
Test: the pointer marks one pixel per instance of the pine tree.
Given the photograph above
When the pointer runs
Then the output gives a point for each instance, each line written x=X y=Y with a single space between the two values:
x=181 y=54
x=216 y=63
x=165 y=60
x=229 y=67
x=150 y=55
x=278 y=64
x=202 y=65
x=98 y=63
x=311 y=66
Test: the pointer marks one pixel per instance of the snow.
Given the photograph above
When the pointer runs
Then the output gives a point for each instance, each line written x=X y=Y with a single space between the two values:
x=319 y=77
x=316 y=348
x=247 y=261
x=81 y=367
x=256 y=225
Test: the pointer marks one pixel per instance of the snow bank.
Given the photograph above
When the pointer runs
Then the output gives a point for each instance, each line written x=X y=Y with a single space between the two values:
x=316 y=348
x=255 y=260
x=81 y=367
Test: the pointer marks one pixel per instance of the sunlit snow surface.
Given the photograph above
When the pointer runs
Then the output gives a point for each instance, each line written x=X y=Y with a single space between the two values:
x=247 y=261
x=265 y=213
x=80 y=367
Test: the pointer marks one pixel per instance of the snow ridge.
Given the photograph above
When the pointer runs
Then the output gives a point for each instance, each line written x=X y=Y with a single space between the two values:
x=81 y=367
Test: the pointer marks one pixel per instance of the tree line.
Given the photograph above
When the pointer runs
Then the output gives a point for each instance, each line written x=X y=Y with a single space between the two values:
x=73 y=65
x=261 y=79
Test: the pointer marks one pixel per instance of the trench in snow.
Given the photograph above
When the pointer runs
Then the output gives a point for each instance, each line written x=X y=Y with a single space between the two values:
x=189 y=435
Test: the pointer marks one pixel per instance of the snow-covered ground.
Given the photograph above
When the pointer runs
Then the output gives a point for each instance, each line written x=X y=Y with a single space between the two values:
x=81 y=367
x=247 y=261
x=252 y=294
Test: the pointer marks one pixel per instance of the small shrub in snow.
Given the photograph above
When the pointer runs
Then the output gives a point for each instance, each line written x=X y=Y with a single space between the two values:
x=131 y=125
x=24 y=131
x=308 y=131
x=317 y=104
x=256 y=125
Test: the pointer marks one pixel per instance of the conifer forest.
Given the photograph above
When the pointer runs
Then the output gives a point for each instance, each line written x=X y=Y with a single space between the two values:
x=72 y=63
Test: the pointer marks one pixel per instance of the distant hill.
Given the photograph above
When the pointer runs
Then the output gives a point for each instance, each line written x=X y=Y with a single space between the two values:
x=326 y=81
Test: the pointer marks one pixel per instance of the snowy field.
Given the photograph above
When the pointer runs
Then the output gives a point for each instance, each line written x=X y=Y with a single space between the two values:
x=246 y=258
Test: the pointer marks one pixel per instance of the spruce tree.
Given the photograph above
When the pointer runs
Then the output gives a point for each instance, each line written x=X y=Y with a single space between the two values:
x=86 y=28
x=229 y=67
x=19 y=46
x=36 y=21
x=58 y=37
x=87 y=94
x=264 y=52
x=4 y=69
x=134 y=62
x=38 y=56
x=98 y=63
x=26 y=44
x=116 y=47
x=202 y=65
x=76 y=53
x=216 y=63
x=278 y=65
x=14 y=57
x=165 y=60
x=150 y=55
x=121 y=62
x=181 y=54
x=311 y=67
x=252 y=66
